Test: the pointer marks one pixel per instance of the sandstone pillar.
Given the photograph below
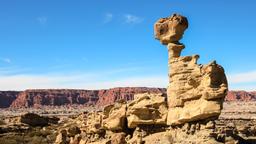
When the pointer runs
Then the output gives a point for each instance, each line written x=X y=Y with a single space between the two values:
x=195 y=92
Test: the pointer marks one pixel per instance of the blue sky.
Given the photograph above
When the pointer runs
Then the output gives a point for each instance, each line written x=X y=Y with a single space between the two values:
x=109 y=43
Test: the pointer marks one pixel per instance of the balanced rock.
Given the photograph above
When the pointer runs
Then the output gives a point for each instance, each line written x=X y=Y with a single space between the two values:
x=171 y=29
x=195 y=92
x=147 y=109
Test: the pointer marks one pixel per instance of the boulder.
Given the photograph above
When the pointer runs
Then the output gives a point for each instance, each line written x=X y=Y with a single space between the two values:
x=170 y=29
x=147 y=109
x=114 y=116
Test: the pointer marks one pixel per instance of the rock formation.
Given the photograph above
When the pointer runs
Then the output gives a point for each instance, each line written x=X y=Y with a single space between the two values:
x=185 y=115
x=115 y=116
x=147 y=109
x=195 y=91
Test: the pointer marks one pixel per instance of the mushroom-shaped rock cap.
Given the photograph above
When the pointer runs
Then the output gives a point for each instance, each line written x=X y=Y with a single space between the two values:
x=170 y=29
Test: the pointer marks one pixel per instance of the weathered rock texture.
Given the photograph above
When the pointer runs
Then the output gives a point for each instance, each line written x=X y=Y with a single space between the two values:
x=195 y=91
x=170 y=30
x=147 y=109
x=115 y=116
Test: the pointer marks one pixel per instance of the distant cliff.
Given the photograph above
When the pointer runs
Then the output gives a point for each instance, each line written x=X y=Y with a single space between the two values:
x=7 y=97
x=241 y=96
x=57 y=97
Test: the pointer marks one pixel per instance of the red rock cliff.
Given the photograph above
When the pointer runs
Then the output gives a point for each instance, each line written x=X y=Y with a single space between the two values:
x=7 y=97
x=241 y=96
x=111 y=95
x=57 y=97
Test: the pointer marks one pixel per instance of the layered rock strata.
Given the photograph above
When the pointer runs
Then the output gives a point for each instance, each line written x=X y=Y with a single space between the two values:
x=104 y=97
x=60 y=97
x=195 y=91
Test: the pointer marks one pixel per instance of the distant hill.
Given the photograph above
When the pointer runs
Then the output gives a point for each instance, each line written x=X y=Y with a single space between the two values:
x=59 y=97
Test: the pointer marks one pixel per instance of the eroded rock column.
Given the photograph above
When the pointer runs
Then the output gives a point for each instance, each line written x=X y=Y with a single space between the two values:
x=195 y=92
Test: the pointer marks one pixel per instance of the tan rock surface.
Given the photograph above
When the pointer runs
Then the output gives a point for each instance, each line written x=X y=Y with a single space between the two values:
x=195 y=91
x=94 y=122
x=147 y=109
x=115 y=116
x=170 y=29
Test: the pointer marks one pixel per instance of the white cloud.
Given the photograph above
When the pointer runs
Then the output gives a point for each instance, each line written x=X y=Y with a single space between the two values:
x=246 y=87
x=6 y=60
x=142 y=81
x=42 y=20
x=132 y=19
x=244 y=77
x=94 y=80
x=22 y=82
x=108 y=17
x=242 y=81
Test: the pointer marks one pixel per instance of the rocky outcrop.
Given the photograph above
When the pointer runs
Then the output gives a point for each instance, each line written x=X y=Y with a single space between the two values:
x=93 y=123
x=7 y=97
x=115 y=116
x=195 y=91
x=147 y=109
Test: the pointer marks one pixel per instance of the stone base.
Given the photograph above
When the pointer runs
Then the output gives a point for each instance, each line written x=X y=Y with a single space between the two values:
x=193 y=110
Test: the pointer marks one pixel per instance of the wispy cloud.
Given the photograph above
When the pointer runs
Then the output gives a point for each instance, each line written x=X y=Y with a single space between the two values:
x=42 y=20
x=244 y=77
x=132 y=19
x=119 y=77
x=242 y=81
x=22 y=82
x=108 y=17
x=6 y=60
x=81 y=80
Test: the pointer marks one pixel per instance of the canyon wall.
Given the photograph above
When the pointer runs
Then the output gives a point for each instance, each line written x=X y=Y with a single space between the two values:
x=7 y=97
x=56 y=97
